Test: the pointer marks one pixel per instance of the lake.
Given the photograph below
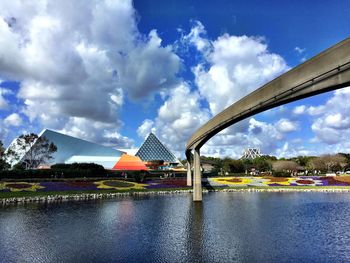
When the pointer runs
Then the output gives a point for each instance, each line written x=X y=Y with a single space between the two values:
x=226 y=227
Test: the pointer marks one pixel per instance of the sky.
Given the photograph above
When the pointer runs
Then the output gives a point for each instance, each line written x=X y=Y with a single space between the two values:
x=111 y=72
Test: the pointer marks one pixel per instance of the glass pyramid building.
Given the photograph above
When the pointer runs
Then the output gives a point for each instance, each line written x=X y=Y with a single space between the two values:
x=152 y=149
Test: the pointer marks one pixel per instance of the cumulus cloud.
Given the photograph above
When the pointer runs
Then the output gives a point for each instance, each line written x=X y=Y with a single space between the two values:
x=153 y=67
x=178 y=117
x=115 y=139
x=13 y=120
x=78 y=60
x=289 y=151
x=285 y=125
x=299 y=109
x=197 y=37
x=258 y=134
x=311 y=110
x=316 y=110
x=333 y=123
x=3 y=101
x=7 y=126
x=146 y=128
x=237 y=66
x=234 y=66
x=229 y=68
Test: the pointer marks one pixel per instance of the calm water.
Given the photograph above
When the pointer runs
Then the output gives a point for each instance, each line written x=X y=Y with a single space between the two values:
x=227 y=227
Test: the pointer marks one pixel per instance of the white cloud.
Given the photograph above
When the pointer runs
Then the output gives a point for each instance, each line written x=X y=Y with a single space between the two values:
x=299 y=50
x=3 y=101
x=152 y=68
x=146 y=128
x=78 y=60
x=299 y=109
x=13 y=120
x=231 y=67
x=237 y=66
x=269 y=137
x=99 y=132
x=337 y=121
x=197 y=37
x=332 y=126
x=177 y=118
x=288 y=151
x=117 y=140
x=285 y=125
x=311 y=110
x=316 y=110
x=301 y=53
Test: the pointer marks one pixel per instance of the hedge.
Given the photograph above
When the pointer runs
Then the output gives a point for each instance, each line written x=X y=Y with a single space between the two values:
x=281 y=174
x=78 y=166
x=50 y=173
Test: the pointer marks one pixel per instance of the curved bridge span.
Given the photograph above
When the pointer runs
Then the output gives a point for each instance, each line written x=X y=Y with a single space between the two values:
x=329 y=70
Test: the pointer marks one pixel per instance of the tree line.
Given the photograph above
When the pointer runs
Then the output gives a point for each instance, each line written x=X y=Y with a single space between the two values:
x=309 y=164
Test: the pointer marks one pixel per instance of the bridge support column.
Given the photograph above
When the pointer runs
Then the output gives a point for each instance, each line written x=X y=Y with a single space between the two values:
x=197 y=177
x=189 y=174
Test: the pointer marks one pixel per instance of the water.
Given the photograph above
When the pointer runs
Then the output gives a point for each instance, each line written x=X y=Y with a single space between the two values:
x=227 y=227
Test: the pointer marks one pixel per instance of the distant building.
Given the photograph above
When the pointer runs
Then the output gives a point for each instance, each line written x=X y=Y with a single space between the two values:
x=251 y=153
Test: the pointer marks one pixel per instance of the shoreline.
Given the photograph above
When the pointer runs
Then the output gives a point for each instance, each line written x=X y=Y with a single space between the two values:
x=98 y=196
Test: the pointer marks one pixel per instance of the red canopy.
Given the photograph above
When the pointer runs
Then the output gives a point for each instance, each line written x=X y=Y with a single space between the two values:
x=129 y=163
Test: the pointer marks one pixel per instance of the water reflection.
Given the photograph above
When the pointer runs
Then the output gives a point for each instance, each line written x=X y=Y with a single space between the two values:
x=195 y=232
x=226 y=227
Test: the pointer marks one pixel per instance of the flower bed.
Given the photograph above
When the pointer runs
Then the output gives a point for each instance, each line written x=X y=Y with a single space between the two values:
x=331 y=181
x=167 y=183
x=68 y=186
x=20 y=186
x=119 y=185
x=170 y=183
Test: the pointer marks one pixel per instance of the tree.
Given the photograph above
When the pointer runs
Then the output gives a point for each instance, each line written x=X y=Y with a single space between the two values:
x=283 y=166
x=37 y=150
x=236 y=166
x=302 y=160
x=226 y=162
x=263 y=163
x=317 y=164
x=329 y=163
x=347 y=157
x=3 y=164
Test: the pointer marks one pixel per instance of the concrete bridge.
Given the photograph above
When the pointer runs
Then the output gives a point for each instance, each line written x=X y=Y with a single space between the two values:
x=329 y=70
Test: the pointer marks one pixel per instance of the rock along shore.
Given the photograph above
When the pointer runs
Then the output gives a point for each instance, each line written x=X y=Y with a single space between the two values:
x=96 y=196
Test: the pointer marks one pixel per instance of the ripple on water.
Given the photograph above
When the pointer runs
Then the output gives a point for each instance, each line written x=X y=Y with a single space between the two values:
x=226 y=227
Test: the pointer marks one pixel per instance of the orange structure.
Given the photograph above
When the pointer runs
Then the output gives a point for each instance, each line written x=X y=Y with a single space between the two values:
x=130 y=163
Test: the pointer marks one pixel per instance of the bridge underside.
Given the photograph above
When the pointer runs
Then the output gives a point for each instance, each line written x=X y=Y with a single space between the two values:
x=329 y=70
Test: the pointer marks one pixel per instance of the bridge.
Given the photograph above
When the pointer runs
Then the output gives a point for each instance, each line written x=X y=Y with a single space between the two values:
x=329 y=70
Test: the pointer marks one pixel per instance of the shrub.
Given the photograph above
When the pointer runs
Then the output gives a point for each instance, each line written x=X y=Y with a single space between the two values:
x=139 y=176
x=281 y=174
x=78 y=166
x=18 y=166
x=57 y=171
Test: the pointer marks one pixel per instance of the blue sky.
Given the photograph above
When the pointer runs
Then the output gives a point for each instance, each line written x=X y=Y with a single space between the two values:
x=113 y=71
